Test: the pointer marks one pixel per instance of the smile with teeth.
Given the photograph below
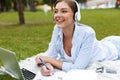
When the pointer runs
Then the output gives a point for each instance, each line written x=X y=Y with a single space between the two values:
x=59 y=21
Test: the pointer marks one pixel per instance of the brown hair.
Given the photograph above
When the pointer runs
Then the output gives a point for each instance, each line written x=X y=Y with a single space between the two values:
x=71 y=4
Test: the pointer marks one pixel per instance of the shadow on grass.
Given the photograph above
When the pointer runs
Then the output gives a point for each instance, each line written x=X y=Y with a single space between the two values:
x=27 y=24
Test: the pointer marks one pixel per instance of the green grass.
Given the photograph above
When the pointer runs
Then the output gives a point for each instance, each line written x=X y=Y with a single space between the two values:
x=33 y=37
x=104 y=21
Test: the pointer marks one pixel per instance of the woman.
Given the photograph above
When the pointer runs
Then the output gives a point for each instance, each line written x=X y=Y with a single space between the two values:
x=75 y=44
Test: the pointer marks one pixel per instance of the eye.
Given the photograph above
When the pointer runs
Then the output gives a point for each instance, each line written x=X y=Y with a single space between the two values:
x=55 y=11
x=64 y=11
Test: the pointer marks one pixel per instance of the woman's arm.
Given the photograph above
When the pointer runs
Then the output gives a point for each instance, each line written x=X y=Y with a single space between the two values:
x=54 y=62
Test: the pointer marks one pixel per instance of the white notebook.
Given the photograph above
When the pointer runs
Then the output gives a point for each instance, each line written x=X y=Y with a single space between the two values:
x=71 y=75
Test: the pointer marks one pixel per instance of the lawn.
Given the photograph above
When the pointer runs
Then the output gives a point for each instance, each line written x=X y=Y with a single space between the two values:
x=33 y=37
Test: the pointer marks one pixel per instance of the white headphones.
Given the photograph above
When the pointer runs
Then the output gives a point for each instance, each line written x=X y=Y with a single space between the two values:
x=77 y=14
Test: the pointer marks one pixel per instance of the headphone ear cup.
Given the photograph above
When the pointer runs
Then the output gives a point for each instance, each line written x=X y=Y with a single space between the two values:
x=76 y=16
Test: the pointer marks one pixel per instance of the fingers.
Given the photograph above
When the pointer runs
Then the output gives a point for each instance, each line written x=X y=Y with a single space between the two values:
x=45 y=71
x=37 y=60
x=44 y=58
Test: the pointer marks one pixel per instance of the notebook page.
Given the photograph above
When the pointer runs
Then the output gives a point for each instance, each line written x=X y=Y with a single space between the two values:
x=71 y=75
x=56 y=76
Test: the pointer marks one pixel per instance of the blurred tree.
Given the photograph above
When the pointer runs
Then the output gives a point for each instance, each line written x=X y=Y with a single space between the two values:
x=5 y=5
x=46 y=2
x=38 y=2
x=8 y=4
x=82 y=1
x=32 y=5
x=14 y=5
x=20 y=12
x=51 y=2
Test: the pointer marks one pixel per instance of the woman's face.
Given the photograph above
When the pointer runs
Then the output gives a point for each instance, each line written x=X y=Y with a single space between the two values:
x=63 y=15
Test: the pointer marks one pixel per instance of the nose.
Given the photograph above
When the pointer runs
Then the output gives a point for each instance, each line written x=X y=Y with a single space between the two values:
x=58 y=14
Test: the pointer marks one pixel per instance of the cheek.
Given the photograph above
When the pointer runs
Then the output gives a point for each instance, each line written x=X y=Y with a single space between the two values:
x=53 y=17
x=70 y=16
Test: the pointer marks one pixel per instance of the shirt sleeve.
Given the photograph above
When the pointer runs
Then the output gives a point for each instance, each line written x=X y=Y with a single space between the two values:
x=84 y=54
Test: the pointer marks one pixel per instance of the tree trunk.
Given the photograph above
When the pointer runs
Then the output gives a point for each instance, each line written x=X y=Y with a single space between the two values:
x=20 y=12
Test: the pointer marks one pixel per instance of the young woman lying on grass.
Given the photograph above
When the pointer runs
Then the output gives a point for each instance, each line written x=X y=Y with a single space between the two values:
x=75 y=44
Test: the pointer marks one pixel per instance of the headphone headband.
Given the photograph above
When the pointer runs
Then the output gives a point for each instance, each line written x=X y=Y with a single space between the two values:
x=77 y=14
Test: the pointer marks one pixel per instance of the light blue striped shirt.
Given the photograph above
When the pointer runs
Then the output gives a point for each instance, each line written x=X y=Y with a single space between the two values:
x=85 y=48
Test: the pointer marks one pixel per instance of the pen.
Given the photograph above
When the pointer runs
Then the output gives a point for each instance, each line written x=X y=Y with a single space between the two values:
x=43 y=63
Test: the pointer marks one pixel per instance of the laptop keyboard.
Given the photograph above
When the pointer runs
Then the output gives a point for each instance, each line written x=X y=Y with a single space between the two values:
x=28 y=75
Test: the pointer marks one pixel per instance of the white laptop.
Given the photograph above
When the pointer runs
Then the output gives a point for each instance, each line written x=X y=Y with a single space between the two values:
x=11 y=65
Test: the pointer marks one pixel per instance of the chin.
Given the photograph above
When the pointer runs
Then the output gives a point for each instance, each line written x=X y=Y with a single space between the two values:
x=60 y=26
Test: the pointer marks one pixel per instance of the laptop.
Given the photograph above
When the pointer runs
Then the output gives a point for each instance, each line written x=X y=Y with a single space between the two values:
x=12 y=67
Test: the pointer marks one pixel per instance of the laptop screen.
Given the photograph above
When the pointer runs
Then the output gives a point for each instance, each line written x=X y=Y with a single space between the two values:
x=10 y=63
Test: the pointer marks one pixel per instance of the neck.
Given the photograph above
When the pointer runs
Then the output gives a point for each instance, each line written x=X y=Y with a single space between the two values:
x=68 y=32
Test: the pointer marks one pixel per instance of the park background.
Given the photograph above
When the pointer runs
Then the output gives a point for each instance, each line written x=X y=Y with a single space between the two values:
x=32 y=35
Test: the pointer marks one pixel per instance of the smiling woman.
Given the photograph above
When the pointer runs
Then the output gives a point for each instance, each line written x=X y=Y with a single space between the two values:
x=75 y=44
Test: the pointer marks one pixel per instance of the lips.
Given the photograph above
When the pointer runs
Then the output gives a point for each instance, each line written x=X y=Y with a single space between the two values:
x=59 y=21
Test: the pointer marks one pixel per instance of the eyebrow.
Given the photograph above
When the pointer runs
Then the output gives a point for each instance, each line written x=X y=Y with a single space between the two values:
x=61 y=9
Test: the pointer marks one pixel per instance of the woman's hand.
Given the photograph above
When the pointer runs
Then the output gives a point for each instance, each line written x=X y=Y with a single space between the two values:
x=52 y=61
x=44 y=58
x=45 y=71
